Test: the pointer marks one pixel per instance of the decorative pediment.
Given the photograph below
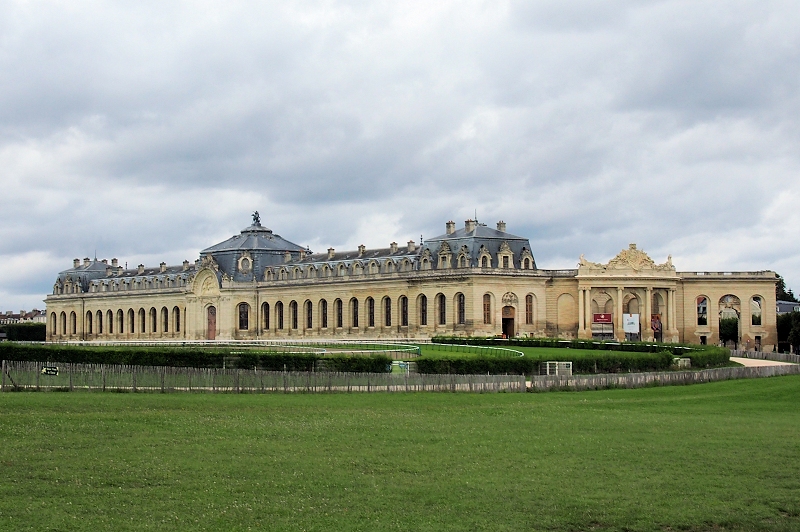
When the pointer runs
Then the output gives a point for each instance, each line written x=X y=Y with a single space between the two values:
x=444 y=248
x=631 y=259
x=505 y=248
x=510 y=298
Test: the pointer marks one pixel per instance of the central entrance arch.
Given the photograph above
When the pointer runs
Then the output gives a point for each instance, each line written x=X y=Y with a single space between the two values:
x=211 y=333
x=509 y=313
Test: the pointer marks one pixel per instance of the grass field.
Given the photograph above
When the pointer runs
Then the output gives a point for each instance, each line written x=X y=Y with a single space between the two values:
x=722 y=456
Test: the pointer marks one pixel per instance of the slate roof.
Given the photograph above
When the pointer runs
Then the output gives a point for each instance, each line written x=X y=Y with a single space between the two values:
x=254 y=238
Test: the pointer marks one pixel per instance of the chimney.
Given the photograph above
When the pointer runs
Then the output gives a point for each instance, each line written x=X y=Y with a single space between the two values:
x=450 y=227
x=501 y=226
x=86 y=261
x=76 y=263
x=109 y=271
x=287 y=257
x=411 y=246
x=104 y=261
x=361 y=250
x=331 y=253
x=163 y=267
x=120 y=270
x=141 y=269
x=393 y=247
x=114 y=263
x=469 y=225
x=185 y=265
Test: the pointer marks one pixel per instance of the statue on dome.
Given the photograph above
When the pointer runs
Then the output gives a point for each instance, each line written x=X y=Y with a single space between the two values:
x=256 y=218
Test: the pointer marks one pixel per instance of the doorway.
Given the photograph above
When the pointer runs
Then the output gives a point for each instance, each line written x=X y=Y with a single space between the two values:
x=212 y=324
x=508 y=321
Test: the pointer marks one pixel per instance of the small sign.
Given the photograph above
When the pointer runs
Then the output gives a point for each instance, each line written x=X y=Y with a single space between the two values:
x=602 y=318
x=49 y=370
x=630 y=323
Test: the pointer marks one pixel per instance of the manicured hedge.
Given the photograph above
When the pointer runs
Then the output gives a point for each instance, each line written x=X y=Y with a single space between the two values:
x=25 y=332
x=527 y=365
x=196 y=357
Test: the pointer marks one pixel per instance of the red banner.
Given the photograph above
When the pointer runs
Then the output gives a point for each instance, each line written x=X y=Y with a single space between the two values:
x=602 y=318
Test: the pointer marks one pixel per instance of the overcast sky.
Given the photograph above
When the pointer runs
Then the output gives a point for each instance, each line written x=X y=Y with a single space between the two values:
x=147 y=131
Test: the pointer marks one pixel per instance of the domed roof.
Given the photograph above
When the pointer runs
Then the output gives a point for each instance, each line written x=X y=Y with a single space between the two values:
x=256 y=237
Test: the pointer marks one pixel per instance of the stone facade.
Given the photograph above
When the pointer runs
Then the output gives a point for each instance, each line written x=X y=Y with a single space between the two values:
x=471 y=281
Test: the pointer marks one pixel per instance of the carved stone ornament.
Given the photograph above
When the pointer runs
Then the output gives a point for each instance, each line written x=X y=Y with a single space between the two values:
x=208 y=286
x=629 y=259
x=208 y=261
x=505 y=248
x=510 y=298
x=245 y=263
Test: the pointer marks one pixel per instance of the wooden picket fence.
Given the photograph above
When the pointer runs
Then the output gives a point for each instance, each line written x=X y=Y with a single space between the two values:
x=656 y=378
x=19 y=375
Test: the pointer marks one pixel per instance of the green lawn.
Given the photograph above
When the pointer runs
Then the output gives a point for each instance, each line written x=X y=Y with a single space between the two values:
x=721 y=456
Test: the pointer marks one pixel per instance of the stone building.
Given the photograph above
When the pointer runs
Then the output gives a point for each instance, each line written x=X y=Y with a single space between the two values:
x=474 y=280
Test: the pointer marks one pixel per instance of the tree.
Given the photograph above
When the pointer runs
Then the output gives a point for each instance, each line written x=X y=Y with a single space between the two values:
x=781 y=292
x=729 y=329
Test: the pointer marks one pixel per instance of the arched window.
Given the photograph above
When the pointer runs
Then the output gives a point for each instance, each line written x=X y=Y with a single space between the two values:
x=131 y=321
x=442 y=304
x=176 y=317
x=462 y=261
x=73 y=323
x=529 y=309
x=461 y=301
x=505 y=262
x=265 y=315
x=153 y=320
x=354 y=312
x=423 y=309
x=89 y=322
x=403 y=311
x=755 y=307
x=339 y=317
x=387 y=308
x=53 y=323
x=370 y=312
x=309 y=315
x=99 y=322
x=110 y=321
x=323 y=314
x=487 y=309
x=484 y=262
x=165 y=319
x=63 y=323
x=244 y=316
x=279 y=314
x=527 y=264
x=702 y=310
x=293 y=312
x=120 y=322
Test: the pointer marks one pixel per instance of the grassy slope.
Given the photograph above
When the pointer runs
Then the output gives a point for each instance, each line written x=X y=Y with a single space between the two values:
x=715 y=456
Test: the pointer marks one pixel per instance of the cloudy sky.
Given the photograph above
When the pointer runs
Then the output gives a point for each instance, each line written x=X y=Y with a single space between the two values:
x=147 y=131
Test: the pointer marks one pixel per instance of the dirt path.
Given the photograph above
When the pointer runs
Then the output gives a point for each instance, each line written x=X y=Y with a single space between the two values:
x=752 y=362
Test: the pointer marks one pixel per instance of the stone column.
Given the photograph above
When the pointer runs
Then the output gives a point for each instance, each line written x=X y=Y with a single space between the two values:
x=588 y=310
x=671 y=326
x=581 y=314
x=647 y=332
x=620 y=332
